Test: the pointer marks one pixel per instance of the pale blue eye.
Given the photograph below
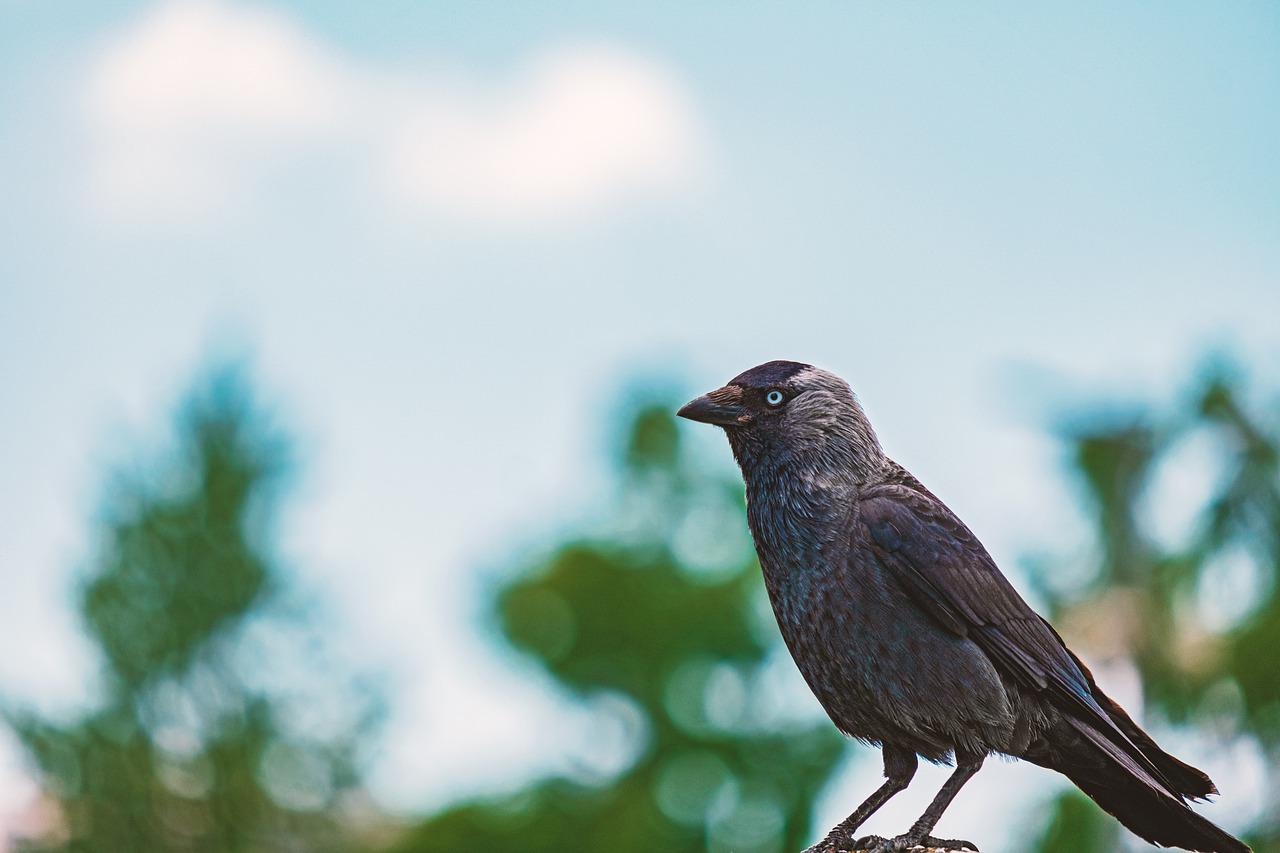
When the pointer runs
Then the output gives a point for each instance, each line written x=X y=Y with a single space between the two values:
x=774 y=397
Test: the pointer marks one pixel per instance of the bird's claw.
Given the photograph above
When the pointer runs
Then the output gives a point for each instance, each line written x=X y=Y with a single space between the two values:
x=901 y=843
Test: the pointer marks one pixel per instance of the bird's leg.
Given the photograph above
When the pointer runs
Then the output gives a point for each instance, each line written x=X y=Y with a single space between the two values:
x=899 y=767
x=918 y=834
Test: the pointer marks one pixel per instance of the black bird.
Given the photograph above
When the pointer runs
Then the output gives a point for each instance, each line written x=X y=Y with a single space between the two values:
x=909 y=635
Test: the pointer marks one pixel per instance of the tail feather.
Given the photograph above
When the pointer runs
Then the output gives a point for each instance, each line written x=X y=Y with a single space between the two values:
x=1183 y=779
x=1121 y=786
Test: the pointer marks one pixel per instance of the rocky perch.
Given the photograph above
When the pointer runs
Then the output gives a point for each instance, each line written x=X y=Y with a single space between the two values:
x=919 y=848
x=924 y=850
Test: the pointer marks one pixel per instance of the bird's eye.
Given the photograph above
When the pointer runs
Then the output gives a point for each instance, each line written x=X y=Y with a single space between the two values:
x=774 y=397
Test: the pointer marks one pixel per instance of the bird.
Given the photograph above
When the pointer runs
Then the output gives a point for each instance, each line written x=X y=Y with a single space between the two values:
x=909 y=635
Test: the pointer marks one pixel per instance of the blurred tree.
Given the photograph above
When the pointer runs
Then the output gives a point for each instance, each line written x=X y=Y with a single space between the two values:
x=185 y=752
x=663 y=625
x=1149 y=601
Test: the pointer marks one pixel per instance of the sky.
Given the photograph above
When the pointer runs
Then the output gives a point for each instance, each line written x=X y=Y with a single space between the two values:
x=447 y=237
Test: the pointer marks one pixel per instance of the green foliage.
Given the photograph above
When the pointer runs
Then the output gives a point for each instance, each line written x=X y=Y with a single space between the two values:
x=663 y=623
x=1143 y=601
x=657 y=623
x=1076 y=824
x=182 y=753
x=179 y=566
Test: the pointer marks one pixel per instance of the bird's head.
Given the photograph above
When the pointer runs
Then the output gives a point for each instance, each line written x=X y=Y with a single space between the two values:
x=784 y=412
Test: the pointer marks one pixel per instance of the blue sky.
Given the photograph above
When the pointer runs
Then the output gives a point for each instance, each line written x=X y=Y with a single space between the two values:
x=447 y=235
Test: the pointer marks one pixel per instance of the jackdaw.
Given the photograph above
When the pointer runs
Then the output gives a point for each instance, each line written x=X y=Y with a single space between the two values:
x=908 y=634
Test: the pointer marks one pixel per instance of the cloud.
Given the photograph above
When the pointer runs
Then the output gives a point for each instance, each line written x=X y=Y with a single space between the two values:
x=578 y=128
x=183 y=101
x=196 y=105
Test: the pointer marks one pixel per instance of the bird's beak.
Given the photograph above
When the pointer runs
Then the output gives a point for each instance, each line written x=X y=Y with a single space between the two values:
x=722 y=407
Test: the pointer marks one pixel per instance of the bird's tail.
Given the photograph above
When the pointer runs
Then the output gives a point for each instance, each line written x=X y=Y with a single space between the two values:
x=1150 y=804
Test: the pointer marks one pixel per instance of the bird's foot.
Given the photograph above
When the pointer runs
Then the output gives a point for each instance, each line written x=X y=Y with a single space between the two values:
x=898 y=844
x=838 y=840
x=826 y=845
x=835 y=842
x=832 y=844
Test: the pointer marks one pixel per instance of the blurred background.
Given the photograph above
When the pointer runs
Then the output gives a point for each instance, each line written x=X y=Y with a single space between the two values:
x=344 y=508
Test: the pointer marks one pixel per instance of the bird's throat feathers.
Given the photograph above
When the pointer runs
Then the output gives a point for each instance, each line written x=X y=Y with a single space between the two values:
x=792 y=509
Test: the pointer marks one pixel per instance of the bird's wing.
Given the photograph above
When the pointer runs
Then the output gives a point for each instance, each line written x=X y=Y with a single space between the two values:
x=948 y=573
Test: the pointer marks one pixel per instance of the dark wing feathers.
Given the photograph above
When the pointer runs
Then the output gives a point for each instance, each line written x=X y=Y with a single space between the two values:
x=918 y=585
x=948 y=573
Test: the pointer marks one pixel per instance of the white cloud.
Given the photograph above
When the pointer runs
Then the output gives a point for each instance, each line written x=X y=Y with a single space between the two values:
x=577 y=128
x=182 y=102
x=194 y=105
